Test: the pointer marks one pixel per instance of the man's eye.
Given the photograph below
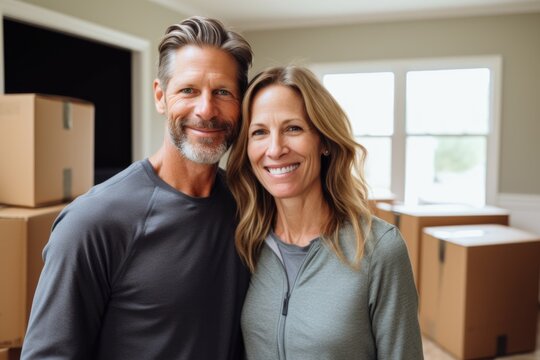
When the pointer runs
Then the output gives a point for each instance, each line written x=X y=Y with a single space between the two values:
x=223 y=92
x=187 y=91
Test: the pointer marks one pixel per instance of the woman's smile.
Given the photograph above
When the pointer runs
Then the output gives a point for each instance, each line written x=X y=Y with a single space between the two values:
x=281 y=170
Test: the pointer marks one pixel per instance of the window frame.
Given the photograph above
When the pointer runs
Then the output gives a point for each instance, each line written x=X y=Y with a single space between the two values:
x=400 y=67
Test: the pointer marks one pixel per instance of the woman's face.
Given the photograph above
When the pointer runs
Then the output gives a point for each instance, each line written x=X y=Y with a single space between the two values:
x=284 y=149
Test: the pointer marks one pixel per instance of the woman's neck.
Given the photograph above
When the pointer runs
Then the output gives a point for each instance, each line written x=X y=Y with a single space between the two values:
x=300 y=220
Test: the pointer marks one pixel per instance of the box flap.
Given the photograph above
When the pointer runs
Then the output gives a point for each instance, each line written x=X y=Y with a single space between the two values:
x=480 y=235
x=448 y=210
x=26 y=213
x=49 y=96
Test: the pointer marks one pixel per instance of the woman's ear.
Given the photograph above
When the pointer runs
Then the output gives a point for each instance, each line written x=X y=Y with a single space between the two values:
x=325 y=148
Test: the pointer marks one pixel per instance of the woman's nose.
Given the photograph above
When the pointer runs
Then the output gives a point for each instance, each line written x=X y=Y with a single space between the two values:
x=277 y=146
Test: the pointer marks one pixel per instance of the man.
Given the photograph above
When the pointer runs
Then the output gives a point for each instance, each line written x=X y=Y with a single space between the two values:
x=143 y=266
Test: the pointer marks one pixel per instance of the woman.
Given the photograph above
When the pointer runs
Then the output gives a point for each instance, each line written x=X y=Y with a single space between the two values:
x=329 y=281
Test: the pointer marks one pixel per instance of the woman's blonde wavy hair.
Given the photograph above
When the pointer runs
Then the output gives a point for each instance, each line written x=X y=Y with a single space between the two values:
x=344 y=187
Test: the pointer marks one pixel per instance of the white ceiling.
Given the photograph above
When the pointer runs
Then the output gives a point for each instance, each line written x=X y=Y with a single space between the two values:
x=267 y=14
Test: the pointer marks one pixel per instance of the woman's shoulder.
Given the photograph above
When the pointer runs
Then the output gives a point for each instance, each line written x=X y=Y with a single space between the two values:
x=380 y=234
x=379 y=228
x=384 y=237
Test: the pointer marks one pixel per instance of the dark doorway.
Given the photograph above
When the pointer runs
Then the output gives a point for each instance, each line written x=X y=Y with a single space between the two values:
x=37 y=60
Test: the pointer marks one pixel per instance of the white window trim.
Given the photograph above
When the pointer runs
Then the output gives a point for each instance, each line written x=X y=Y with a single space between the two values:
x=400 y=68
x=140 y=55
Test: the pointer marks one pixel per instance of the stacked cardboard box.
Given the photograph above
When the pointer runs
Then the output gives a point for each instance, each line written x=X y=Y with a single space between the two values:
x=10 y=353
x=23 y=234
x=412 y=219
x=478 y=297
x=46 y=157
x=46 y=149
x=385 y=211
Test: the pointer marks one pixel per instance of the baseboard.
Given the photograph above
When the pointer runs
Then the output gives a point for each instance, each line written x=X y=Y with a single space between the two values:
x=524 y=213
x=524 y=210
x=521 y=201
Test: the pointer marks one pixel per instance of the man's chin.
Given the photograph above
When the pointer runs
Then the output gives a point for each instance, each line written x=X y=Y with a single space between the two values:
x=203 y=154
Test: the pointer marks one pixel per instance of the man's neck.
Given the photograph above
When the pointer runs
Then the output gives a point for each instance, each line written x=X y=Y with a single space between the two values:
x=186 y=176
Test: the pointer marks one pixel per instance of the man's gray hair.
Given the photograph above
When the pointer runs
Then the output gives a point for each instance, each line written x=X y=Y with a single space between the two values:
x=201 y=31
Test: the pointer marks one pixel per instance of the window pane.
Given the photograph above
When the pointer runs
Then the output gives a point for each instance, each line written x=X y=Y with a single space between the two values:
x=377 y=168
x=367 y=98
x=448 y=101
x=446 y=170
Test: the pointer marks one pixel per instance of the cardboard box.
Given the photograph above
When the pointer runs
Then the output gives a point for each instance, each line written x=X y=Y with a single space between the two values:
x=385 y=212
x=46 y=149
x=23 y=234
x=479 y=289
x=10 y=353
x=411 y=220
x=379 y=197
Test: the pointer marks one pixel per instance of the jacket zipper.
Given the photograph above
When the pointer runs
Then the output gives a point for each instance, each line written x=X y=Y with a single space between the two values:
x=284 y=311
x=285 y=304
x=288 y=293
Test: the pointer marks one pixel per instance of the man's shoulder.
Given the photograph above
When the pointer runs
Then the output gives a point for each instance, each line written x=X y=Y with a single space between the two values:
x=122 y=193
x=125 y=181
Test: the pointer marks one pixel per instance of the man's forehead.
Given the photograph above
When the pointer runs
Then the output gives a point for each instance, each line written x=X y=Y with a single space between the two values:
x=197 y=77
x=204 y=64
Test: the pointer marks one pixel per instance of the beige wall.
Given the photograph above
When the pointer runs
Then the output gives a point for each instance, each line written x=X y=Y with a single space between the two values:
x=140 y=18
x=515 y=37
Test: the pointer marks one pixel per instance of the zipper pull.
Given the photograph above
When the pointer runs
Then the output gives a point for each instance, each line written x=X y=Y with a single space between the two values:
x=285 y=305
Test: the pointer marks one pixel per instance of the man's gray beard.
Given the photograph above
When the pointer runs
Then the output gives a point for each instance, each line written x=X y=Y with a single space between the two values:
x=203 y=152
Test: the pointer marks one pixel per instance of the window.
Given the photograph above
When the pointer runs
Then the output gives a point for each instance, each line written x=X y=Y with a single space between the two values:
x=430 y=126
x=369 y=99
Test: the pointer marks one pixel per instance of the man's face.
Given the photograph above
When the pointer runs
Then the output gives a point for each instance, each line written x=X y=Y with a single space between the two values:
x=201 y=102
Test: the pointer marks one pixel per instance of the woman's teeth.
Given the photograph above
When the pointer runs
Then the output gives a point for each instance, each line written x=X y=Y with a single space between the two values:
x=282 y=170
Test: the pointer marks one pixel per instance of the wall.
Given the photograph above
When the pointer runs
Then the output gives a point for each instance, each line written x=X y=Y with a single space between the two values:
x=515 y=37
x=140 y=18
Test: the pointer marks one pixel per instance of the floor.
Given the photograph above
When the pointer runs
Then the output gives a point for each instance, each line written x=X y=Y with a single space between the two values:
x=434 y=352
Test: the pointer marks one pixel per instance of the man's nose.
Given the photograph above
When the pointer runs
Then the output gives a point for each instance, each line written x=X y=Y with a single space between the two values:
x=205 y=108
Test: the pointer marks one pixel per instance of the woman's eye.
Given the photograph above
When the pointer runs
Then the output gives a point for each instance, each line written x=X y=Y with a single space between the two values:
x=257 y=132
x=294 y=128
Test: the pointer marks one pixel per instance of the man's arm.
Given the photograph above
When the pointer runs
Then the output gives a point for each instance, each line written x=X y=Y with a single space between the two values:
x=71 y=294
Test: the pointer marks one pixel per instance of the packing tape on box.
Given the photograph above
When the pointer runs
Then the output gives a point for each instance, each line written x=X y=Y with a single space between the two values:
x=501 y=345
x=397 y=218
x=68 y=118
x=67 y=173
x=442 y=250
x=67 y=183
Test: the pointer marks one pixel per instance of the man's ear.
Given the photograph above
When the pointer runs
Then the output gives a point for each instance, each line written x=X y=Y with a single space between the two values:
x=159 y=97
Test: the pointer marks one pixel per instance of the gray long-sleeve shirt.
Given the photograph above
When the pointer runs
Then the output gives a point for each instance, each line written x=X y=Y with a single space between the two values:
x=332 y=311
x=137 y=270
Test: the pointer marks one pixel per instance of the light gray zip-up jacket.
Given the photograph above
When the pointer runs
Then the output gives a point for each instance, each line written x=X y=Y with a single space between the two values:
x=333 y=312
